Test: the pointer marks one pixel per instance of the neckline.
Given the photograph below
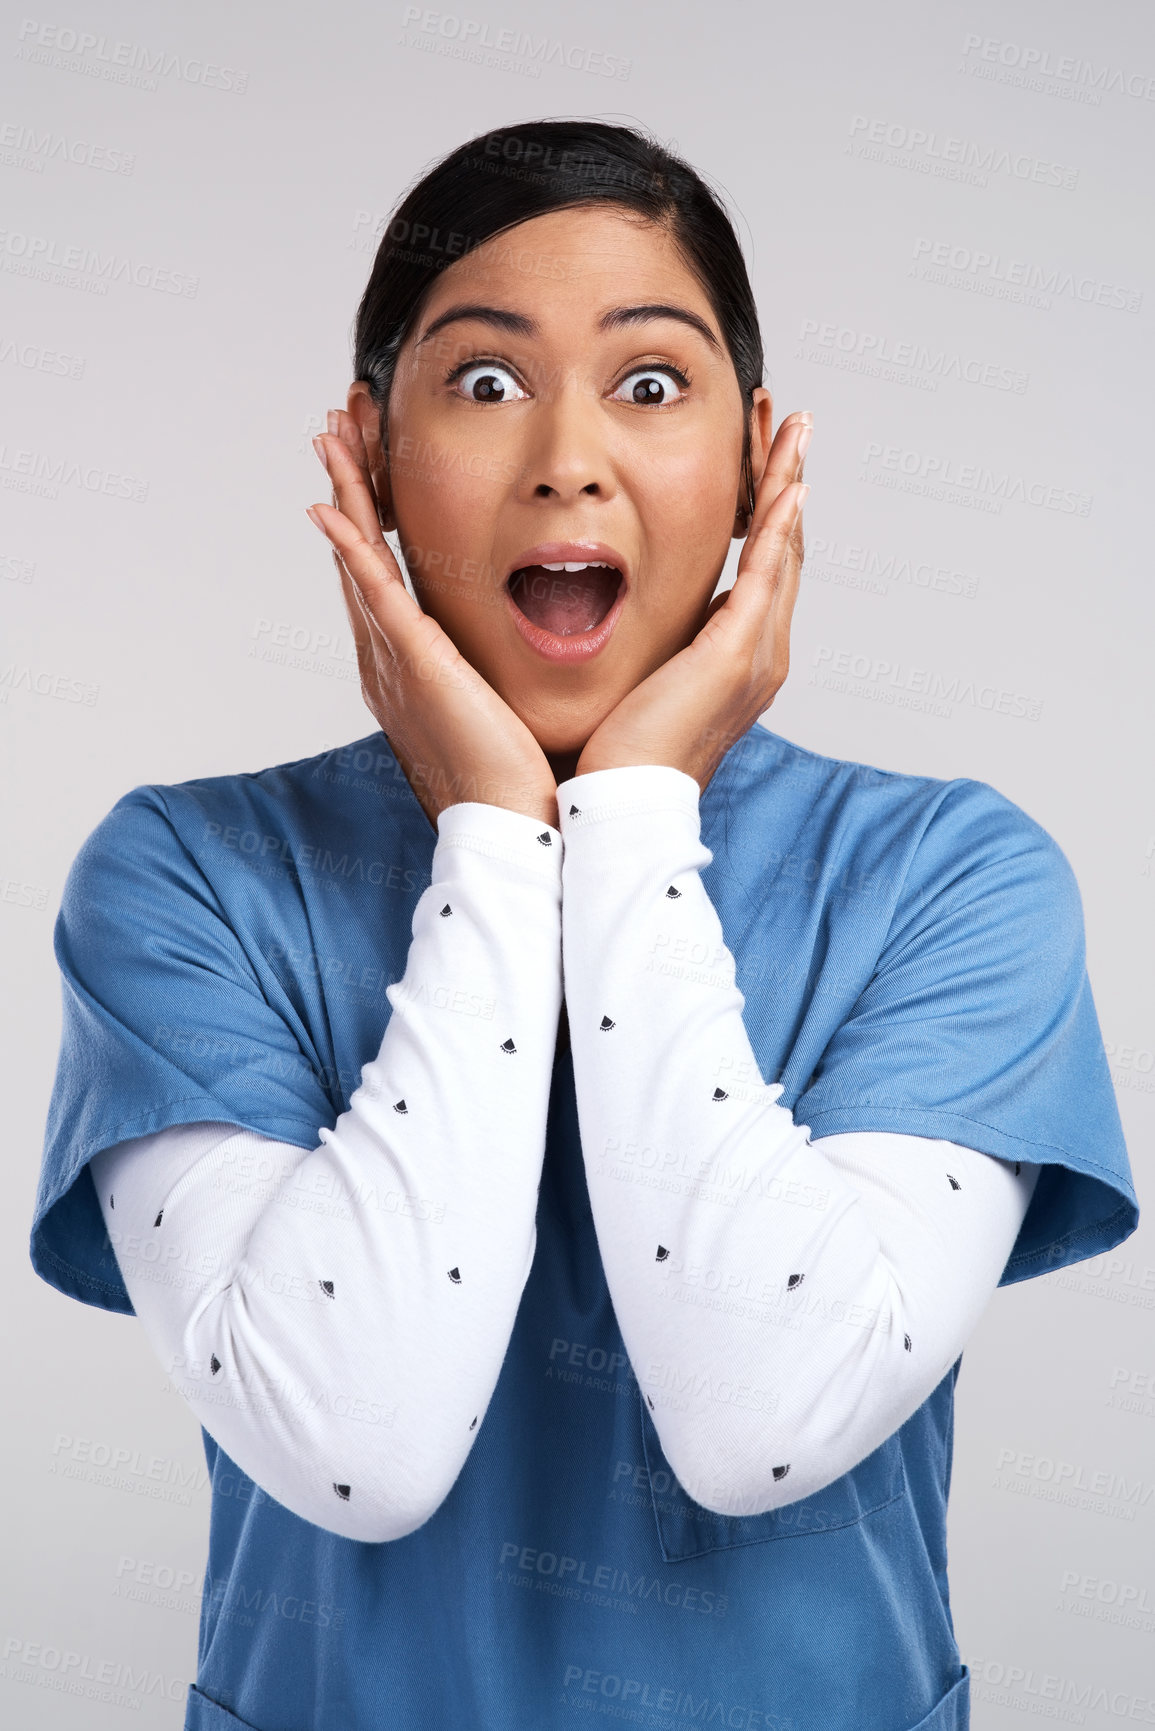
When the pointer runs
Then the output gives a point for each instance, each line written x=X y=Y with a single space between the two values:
x=711 y=803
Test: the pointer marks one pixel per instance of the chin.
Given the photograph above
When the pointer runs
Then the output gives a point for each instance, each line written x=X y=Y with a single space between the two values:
x=564 y=726
x=558 y=740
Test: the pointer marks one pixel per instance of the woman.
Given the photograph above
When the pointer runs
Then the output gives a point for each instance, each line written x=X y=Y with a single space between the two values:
x=506 y=1422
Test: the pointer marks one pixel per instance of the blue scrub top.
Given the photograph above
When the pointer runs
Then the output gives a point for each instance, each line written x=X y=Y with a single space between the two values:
x=912 y=958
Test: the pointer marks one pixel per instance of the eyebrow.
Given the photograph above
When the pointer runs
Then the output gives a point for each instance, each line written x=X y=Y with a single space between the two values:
x=516 y=323
x=618 y=318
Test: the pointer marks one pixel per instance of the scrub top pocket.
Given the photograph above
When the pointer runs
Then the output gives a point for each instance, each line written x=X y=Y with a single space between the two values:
x=686 y=1529
x=953 y=1712
x=204 y=1714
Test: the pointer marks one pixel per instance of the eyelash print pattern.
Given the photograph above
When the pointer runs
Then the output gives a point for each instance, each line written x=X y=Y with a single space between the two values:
x=651 y=1272
x=339 y=1314
x=795 y=1280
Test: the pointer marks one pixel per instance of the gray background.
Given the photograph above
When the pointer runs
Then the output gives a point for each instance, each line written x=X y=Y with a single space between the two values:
x=202 y=622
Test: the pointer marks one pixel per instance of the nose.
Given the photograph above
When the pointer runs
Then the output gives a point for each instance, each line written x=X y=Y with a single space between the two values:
x=566 y=458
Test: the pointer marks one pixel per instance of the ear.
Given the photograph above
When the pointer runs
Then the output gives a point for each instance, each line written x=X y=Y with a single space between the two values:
x=368 y=417
x=761 y=429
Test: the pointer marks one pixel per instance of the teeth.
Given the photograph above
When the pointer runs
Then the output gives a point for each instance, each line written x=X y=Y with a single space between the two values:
x=580 y=565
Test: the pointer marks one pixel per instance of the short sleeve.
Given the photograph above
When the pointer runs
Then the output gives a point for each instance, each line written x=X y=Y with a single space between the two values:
x=164 y=1023
x=978 y=1026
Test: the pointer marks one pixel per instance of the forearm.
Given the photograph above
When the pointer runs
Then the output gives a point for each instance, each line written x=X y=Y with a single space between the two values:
x=337 y=1318
x=786 y=1304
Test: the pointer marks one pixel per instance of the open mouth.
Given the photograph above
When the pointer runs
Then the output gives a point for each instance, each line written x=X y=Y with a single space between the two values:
x=566 y=597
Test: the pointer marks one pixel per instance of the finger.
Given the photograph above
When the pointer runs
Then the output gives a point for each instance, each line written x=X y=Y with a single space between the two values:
x=372 y=569
x=352 y=486
x=786 y=588
x=791 y=430
x=771 y=653
x=348 y=429
x=353 y=492
x=784 y=463
x=775 y=646
x=752 y=623
x=766 y=556
x=359 y=621
x=787 y=452
x=387 y=643
x=376 y=658
x=359 y=618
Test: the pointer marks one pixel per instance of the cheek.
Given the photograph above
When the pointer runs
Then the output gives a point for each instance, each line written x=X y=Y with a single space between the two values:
x=445 y=504
x=448 y=473
x=687 y=498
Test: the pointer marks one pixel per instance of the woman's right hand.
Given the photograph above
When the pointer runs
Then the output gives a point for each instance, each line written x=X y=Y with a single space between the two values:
x=454 y=737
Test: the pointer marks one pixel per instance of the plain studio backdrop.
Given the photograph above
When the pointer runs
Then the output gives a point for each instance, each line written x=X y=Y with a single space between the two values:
x=946 y=206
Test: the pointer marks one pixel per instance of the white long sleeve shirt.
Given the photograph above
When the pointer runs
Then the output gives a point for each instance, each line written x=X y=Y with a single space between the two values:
x=785 y=1304
x=337 y=1320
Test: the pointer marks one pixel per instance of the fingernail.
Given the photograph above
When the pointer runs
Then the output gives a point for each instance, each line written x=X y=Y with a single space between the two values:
x=313 y=518
x=802 y=492
x=806 y=417
x=332 y=424
x=320 y=450
x=804 y=440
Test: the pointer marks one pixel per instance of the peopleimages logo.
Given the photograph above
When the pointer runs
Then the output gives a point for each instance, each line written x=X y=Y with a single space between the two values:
x=926 y=689
x=1005 y=1685
x=41 y=360
x=1041 y=69
x=1002 y=278
x=634 y=1693
x=898 y=360
x=994 y=487
x=865 y=568
x=475 y=36
x=116 y=1682
x=69 y=50
x=23 y=146
x=37 y=472
x=929 y=152
x=41 y=256
x=45 y=683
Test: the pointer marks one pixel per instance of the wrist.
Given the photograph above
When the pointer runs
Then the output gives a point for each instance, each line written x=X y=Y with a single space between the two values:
x=542 y=808
x=626 y=790
x=517 y=836
x=595 y=763
x=534 y=803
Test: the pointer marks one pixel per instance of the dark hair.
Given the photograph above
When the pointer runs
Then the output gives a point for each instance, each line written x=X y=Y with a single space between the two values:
x=504 y=178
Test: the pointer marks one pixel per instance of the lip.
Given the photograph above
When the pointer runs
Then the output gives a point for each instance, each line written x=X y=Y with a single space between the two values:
x=581 y=644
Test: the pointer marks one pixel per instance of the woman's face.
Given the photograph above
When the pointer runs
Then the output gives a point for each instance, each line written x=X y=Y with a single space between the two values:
x=565 y=397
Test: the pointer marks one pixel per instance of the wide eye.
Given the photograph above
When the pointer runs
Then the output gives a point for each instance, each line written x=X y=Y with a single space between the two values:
x=486 y=382
x=650 y=385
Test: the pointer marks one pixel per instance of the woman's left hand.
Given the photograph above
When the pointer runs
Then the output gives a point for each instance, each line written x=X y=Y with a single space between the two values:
x=692 y=709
